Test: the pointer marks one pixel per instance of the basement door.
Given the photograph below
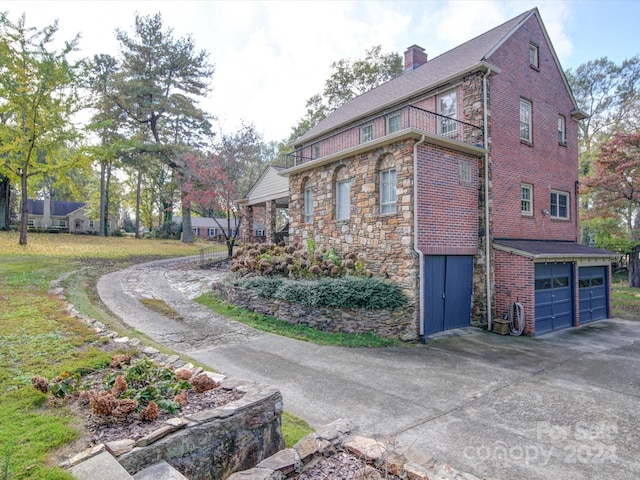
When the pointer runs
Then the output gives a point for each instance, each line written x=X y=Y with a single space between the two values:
x=554 y=296
x=592 y=291
x=448 y=281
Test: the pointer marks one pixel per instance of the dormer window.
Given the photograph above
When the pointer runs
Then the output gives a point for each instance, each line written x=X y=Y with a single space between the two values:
x=533 y=56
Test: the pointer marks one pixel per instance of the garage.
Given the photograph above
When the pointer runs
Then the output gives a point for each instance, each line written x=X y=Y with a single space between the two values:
x=592 y=293
x=554 y=296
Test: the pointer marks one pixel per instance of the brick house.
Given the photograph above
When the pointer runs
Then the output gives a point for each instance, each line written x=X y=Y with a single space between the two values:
x=458 y=181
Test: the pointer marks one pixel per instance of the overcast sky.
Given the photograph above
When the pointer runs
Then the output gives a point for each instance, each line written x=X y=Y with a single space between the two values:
x=270 y=56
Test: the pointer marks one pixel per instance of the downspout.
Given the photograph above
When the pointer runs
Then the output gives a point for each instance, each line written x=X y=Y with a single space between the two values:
x=487 y=241
x=415 y=236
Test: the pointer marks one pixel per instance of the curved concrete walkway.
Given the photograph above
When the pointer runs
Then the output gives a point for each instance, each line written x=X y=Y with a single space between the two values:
x=565 y=405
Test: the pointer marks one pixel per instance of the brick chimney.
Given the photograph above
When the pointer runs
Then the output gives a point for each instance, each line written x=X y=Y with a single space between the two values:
x=414 y=56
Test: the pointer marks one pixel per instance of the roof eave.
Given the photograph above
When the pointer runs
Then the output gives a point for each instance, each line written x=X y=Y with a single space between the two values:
x=538 y=257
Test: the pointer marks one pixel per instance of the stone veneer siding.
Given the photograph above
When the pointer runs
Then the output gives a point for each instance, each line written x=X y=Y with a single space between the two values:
x=398 y=324
x=384 y=241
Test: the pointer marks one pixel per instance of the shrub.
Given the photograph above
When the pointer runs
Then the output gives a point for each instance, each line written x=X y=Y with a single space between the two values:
x=344 y=292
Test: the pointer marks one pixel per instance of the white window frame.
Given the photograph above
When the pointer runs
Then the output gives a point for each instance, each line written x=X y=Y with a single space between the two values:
x=562 y=130
x=388 y=191
x=464 y=171
x=394 y=123
x=316 y=151
x=555 y=207
x=92 y=224
x=62 y=223
x=366 y=133
x=525 y=121
x=448 y=127
x=31 y=222
x=534 y=59
x=308 y=204
x=343 y=200
x=526 y=199
x=109 y=224
x=211 y=232
x=259 y=233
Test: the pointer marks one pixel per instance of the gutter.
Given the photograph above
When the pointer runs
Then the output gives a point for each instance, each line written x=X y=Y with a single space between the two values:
x=487 y=233
x=415 y=236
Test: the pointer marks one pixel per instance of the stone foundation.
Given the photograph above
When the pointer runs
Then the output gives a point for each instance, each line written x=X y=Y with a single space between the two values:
x=398 y=324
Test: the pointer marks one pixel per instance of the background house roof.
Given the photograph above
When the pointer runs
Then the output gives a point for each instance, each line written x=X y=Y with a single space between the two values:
x=206 y=222
x=58 y=208
x=423 y=78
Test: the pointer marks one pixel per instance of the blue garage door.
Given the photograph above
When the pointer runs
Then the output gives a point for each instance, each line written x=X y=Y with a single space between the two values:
x=592 y=283
x=554 y=298
x=447 y=292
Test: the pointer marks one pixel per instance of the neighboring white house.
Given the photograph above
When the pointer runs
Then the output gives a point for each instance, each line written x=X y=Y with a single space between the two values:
x=63 y=216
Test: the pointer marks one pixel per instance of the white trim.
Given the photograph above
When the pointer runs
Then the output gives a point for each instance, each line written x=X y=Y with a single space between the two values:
x=559 y=193
x=521 y=103
x=523 y=186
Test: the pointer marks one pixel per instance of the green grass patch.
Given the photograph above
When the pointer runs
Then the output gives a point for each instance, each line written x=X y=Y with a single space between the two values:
x=293 y=429
x=161 y=307
x=286 y=329
x=39 y=338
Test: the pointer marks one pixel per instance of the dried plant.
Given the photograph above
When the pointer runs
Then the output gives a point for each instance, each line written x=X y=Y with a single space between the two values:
x=183 y=373
x=120 y=386
x=102 y=403
x=150 y=412
x=204 y=382
x=40 y=383
x=120 y=359
x=182 y=399
x=124 y=407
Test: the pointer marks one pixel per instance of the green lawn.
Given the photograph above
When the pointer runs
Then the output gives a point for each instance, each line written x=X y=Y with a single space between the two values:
x=38 y=338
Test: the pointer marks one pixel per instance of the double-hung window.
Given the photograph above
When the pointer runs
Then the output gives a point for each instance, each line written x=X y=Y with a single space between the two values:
x=559 y=205
x=343 y=201
x=366 y=133
x=394 y=123
x=562 y=137
x=92 y=224
x=308 y=204
x=525 y=121
x=388 y=196
x=62 y=223
x=448 y=107
x=526 y=201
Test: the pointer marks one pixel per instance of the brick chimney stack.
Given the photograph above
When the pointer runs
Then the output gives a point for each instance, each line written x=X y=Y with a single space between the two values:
x=414 y=56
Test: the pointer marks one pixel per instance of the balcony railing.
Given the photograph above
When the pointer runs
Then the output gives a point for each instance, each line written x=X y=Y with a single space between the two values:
x=384 y=125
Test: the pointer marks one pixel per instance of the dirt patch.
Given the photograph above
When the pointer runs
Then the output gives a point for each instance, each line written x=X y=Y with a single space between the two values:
x=342 y=465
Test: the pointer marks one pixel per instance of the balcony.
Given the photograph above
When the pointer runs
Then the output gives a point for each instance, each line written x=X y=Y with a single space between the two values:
x=392 y=123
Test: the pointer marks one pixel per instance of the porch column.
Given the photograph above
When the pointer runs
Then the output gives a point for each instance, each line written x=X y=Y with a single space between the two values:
x=270 y=227
x=246 y=228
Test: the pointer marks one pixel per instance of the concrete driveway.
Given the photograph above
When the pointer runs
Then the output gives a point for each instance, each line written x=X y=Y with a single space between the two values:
x=564 y=405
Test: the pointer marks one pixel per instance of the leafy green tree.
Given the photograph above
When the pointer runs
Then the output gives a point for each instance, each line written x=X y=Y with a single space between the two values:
x=610 y=95
x=38 y=97
x=158 y=84
x=615 y=194
x=348 y=79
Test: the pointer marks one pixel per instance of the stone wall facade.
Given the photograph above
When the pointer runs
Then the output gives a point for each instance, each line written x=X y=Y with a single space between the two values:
x=384 y=241
x=398 y=324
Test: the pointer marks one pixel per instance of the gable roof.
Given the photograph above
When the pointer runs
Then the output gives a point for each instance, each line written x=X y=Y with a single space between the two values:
x=470 y=56
x=58 y=208
x=269 y=186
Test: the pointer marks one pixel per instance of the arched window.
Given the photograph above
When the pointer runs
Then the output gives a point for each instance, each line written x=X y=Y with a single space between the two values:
x=307 y=199
x=342 y=194
x=387 y=184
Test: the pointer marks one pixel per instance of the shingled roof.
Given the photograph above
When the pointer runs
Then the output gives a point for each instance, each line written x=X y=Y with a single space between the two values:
x=450 y=64
x=58 y=208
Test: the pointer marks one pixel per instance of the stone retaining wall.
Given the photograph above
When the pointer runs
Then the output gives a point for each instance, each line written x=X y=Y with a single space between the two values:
x=397 y=324
x=215 y=443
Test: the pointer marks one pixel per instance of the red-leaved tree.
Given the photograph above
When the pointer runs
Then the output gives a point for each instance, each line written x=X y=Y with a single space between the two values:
x=615 y=191
x=211 y=186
